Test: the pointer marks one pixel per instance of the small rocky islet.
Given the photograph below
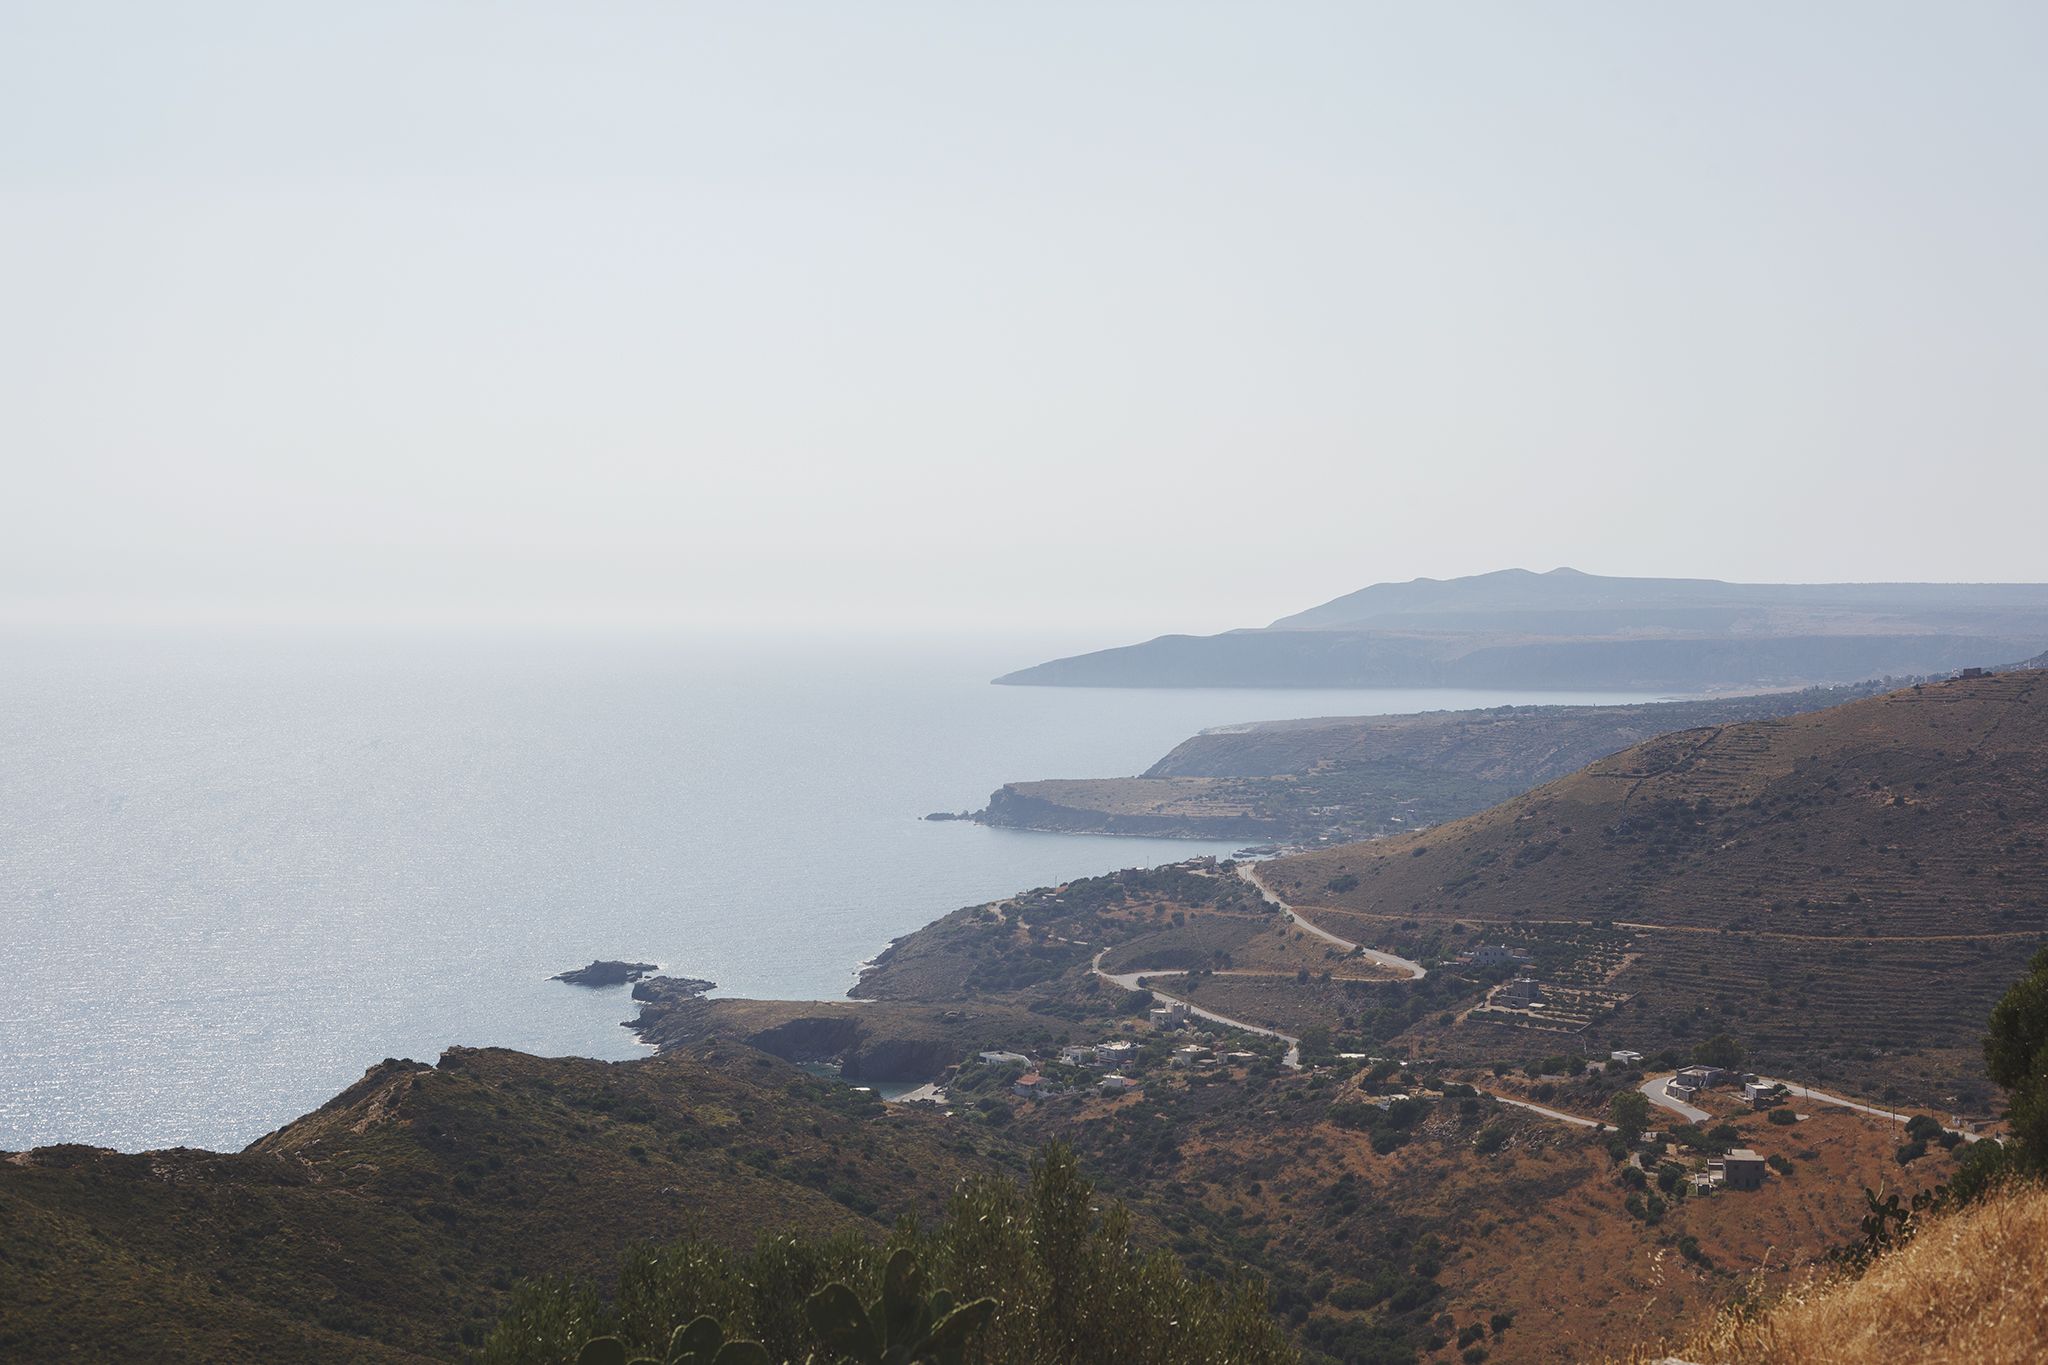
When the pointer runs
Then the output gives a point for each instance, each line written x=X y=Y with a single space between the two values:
x=606 y=973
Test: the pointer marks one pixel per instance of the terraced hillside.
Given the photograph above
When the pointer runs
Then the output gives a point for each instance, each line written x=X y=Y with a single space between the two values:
x=1847 y=890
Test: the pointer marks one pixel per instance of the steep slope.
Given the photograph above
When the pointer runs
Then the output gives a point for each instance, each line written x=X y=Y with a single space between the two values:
x=1566 y=629
x=388 y=1224
x=1847 y=889
x=1973 y=1285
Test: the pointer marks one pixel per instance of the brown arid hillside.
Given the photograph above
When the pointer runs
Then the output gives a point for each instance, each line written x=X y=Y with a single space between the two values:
x=1846 y=891
x=389 y=1224
x=1379 y=1242
x=1971 y=1286
x=1485 y=1225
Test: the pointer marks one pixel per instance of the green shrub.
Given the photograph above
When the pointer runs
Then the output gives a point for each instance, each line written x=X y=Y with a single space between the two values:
x=1066 y=1282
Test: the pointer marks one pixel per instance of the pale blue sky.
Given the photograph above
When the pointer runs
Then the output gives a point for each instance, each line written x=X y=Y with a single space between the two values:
x=1142 y=317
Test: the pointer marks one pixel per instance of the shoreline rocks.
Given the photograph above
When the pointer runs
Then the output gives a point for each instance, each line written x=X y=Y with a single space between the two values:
x=671 y=989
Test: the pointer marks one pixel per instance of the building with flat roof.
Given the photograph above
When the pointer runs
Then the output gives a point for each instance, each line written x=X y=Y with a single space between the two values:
x=1741 y=1169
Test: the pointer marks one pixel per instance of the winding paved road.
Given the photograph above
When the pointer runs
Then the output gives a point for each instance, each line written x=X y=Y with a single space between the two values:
x=1250 y=872
x=1135 y=981
x=1652 y=1087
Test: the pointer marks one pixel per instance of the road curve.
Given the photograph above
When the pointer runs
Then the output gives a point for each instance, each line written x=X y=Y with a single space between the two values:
x=1250 y=872
x=1653 y=1091
x=1135 y=981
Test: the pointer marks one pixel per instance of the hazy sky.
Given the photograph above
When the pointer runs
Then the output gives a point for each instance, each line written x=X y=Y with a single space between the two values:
x=1135 y=316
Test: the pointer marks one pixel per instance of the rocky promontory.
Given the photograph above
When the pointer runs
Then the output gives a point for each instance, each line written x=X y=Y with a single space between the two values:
x=604 y=973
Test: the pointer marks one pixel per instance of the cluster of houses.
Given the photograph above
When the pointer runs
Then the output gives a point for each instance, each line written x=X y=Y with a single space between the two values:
x=1756 y=1092
x=1693 y=1079
x=1116 y=1057
x=1739 y=1168
x=1110 y=1057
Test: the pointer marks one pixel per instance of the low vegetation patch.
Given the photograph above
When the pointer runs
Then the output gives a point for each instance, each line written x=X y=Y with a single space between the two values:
x=1066 y=1286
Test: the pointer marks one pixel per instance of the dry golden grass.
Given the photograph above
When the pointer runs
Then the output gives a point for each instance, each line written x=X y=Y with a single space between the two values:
x=1973 y=1286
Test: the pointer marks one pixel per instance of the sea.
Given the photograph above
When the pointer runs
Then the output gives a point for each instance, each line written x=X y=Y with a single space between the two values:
x=237 y=869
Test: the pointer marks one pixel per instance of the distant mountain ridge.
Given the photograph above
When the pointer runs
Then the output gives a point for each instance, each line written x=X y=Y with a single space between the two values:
x=1565 y=629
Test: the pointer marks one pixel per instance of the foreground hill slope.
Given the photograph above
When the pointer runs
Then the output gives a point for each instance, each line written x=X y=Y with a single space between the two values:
x=1862 y=879
x=1973 y=1285
x=1566 y=629
x=389 y=1224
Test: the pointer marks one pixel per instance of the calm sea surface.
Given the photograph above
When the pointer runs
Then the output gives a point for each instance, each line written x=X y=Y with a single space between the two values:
x=234 y=872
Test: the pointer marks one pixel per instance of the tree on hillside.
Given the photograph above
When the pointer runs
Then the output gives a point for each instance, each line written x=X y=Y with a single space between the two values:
x=1719 y=1050
x=1044 y=1274
x=2016 y=1056
x=1630 y=1111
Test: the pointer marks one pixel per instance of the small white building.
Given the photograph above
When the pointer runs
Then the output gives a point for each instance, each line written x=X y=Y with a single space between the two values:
x=1116 y=1051
x=1117 y=1085
x=1005 y=1059
x=1079 y=1054
x=1496 y=955
x=1625 y=1058
x=1523 y=990
x=1187 y=1056
x=1031 y=1085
